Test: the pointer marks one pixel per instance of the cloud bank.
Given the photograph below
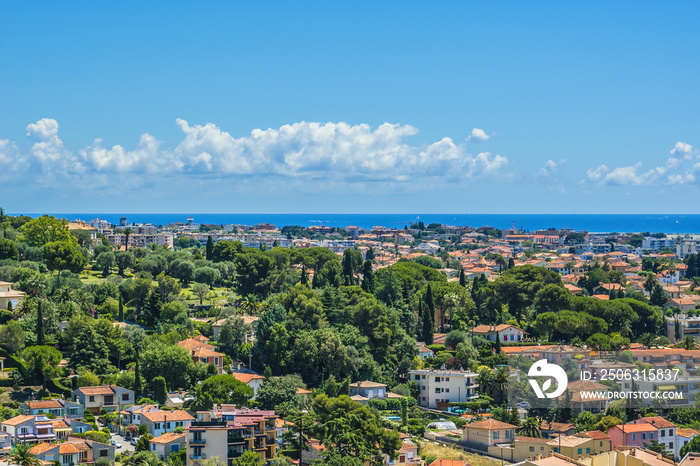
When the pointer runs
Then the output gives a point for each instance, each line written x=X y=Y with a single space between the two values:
x=328 y=151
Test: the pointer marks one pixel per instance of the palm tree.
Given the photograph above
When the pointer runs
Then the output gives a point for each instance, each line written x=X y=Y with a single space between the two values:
x=531 y=428
x=649 y=282
x=127 y=232
x=21 y=456
x=695 y=283
x=501 y=383
x=688 y=343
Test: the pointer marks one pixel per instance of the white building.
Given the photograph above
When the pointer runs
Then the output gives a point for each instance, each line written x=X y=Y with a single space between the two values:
x=504 y=332
x=444 y=386
x=667 y=433
x=685 y=249
x=657 y=244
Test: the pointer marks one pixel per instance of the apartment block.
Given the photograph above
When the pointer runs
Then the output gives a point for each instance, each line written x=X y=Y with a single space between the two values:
x=438 y=388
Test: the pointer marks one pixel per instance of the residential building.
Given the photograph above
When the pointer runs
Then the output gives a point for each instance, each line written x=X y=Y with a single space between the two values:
x=73 y=451
x=601 y=441
x=29 y=429
x=555 y=429
x=667 y=432
x=107 y=397
x=483 y=434
x=251 y=379
x=132 y=414
x=166 y=444
x=250 y=320
x=684 y=436
x=9 y=298
x=5 y=441
x=407 y=455
x=58 y=407
x=595 y=400
x=368 y=390
x=439 y=388
x=658 y=244
x=504 y=332
x=161 y=422
x=633 y=435
x=226 y=432
x=683 y=303
x=201 y=350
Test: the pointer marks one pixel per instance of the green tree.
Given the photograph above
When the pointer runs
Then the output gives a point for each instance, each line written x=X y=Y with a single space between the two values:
x=8 y=250
x=63 y=255
x=12 y=336
x=42 y=361
x=233 y=333
x=692 y=446
x=138 y=385
x=249 y=458
x=277 y=390
x=90 y=351
x=121 y=308
x=172 y=362
x=105 y=261
x=127 y=232
x=201 y=291
x=210 y=248
x=20 y=455
x=531 y=428
x=160 y=391
x=124 y=260
x=368 y=277
x=144 y=443
x=39 y=325
x=221 y=389
x=46 y=229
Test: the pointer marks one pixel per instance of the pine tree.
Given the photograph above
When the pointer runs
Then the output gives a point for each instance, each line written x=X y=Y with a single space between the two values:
x=367 y=277
x=304 y=278
x=39 y=325
x=121 y=308
x=462 y=279
x=210 y=248
x=137 y=379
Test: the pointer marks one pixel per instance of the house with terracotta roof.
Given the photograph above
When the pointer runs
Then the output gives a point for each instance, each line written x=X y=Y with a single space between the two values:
x=251 y=379
x=667 y=432
x=250 y=320
x=601 y=441
x=504 y=332
x=29 y=429
x=107 y=397
x=161 y=422
x=683 y=303
x=166 y=444
x=58 y=407
x=551 y=429
x=73 y=451
x=200 y=350
x=633 y=435
x=484 y=434
x=446 y=462
x=407 y=455
x=132 y=414
x=685 y=436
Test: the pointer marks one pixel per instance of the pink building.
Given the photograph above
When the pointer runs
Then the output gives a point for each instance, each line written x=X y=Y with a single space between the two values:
x=633 y=435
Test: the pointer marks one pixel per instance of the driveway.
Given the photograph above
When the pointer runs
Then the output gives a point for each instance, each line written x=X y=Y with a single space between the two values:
x=126 y=446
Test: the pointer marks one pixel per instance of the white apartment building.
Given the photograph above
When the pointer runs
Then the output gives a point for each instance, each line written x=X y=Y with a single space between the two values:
x=657 y=244
x=439 y=387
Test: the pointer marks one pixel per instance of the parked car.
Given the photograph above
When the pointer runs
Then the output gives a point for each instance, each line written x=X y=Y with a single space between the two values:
x=115 y=444
x=135 y=440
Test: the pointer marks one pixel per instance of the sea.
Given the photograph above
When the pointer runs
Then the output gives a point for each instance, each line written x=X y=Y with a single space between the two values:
x=594 y=223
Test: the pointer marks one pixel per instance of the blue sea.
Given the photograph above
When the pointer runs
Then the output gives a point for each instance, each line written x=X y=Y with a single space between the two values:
x=529 y=222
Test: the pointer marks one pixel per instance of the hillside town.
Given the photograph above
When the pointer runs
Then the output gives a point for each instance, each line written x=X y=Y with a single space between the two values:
x=192 y=344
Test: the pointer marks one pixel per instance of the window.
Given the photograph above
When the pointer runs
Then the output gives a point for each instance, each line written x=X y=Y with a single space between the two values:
x=125 y=397
x=447 y=390
x=634 y=436
x=67 y=459
x=644 y=435
x=153 y=447
x=496 y=434
x=437 y=390
x=579 y=451
x=422 y=387
x=601 y=443
x=663 y=433
x=588 y=450
x=437 y=379
x=423 y=377
x=532 y=448
x=670 y=445
x=651 y=435
x=508 y=434
x=447 y=379
x=92 y=399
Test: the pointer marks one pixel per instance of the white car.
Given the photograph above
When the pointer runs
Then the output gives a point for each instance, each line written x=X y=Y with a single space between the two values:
x=115 y=444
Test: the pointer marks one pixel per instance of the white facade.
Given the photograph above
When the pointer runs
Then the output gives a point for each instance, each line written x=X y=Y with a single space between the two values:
x=444 y=386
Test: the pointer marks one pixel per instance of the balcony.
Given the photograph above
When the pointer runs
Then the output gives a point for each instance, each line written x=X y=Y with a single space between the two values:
x=198 y=457
x=236 y=440
x=198 y=441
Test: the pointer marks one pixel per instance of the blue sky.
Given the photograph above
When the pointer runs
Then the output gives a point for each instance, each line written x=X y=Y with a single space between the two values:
x=368 y=107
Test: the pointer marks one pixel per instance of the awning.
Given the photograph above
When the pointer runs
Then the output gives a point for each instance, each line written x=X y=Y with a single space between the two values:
x=667 y=387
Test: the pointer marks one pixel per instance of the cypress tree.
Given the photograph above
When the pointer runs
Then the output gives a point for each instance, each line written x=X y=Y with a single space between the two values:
x=367 y=277
x=462 y=279
x=316 y=281
x=347 y=269
x=428 y=328
x=677 y=326
x=370 y=254
x=160 y=390
x=39 y=325
x=498 y=342
x=121 y=308
x=210 y=248
x=431 y=305
x=137 y=379
x=304 y=277
x=419 y=322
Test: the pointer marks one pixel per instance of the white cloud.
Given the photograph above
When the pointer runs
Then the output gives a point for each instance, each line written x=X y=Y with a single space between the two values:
x=334 y=152
x=675 y=170
x=550 y=167
x=478 y=134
